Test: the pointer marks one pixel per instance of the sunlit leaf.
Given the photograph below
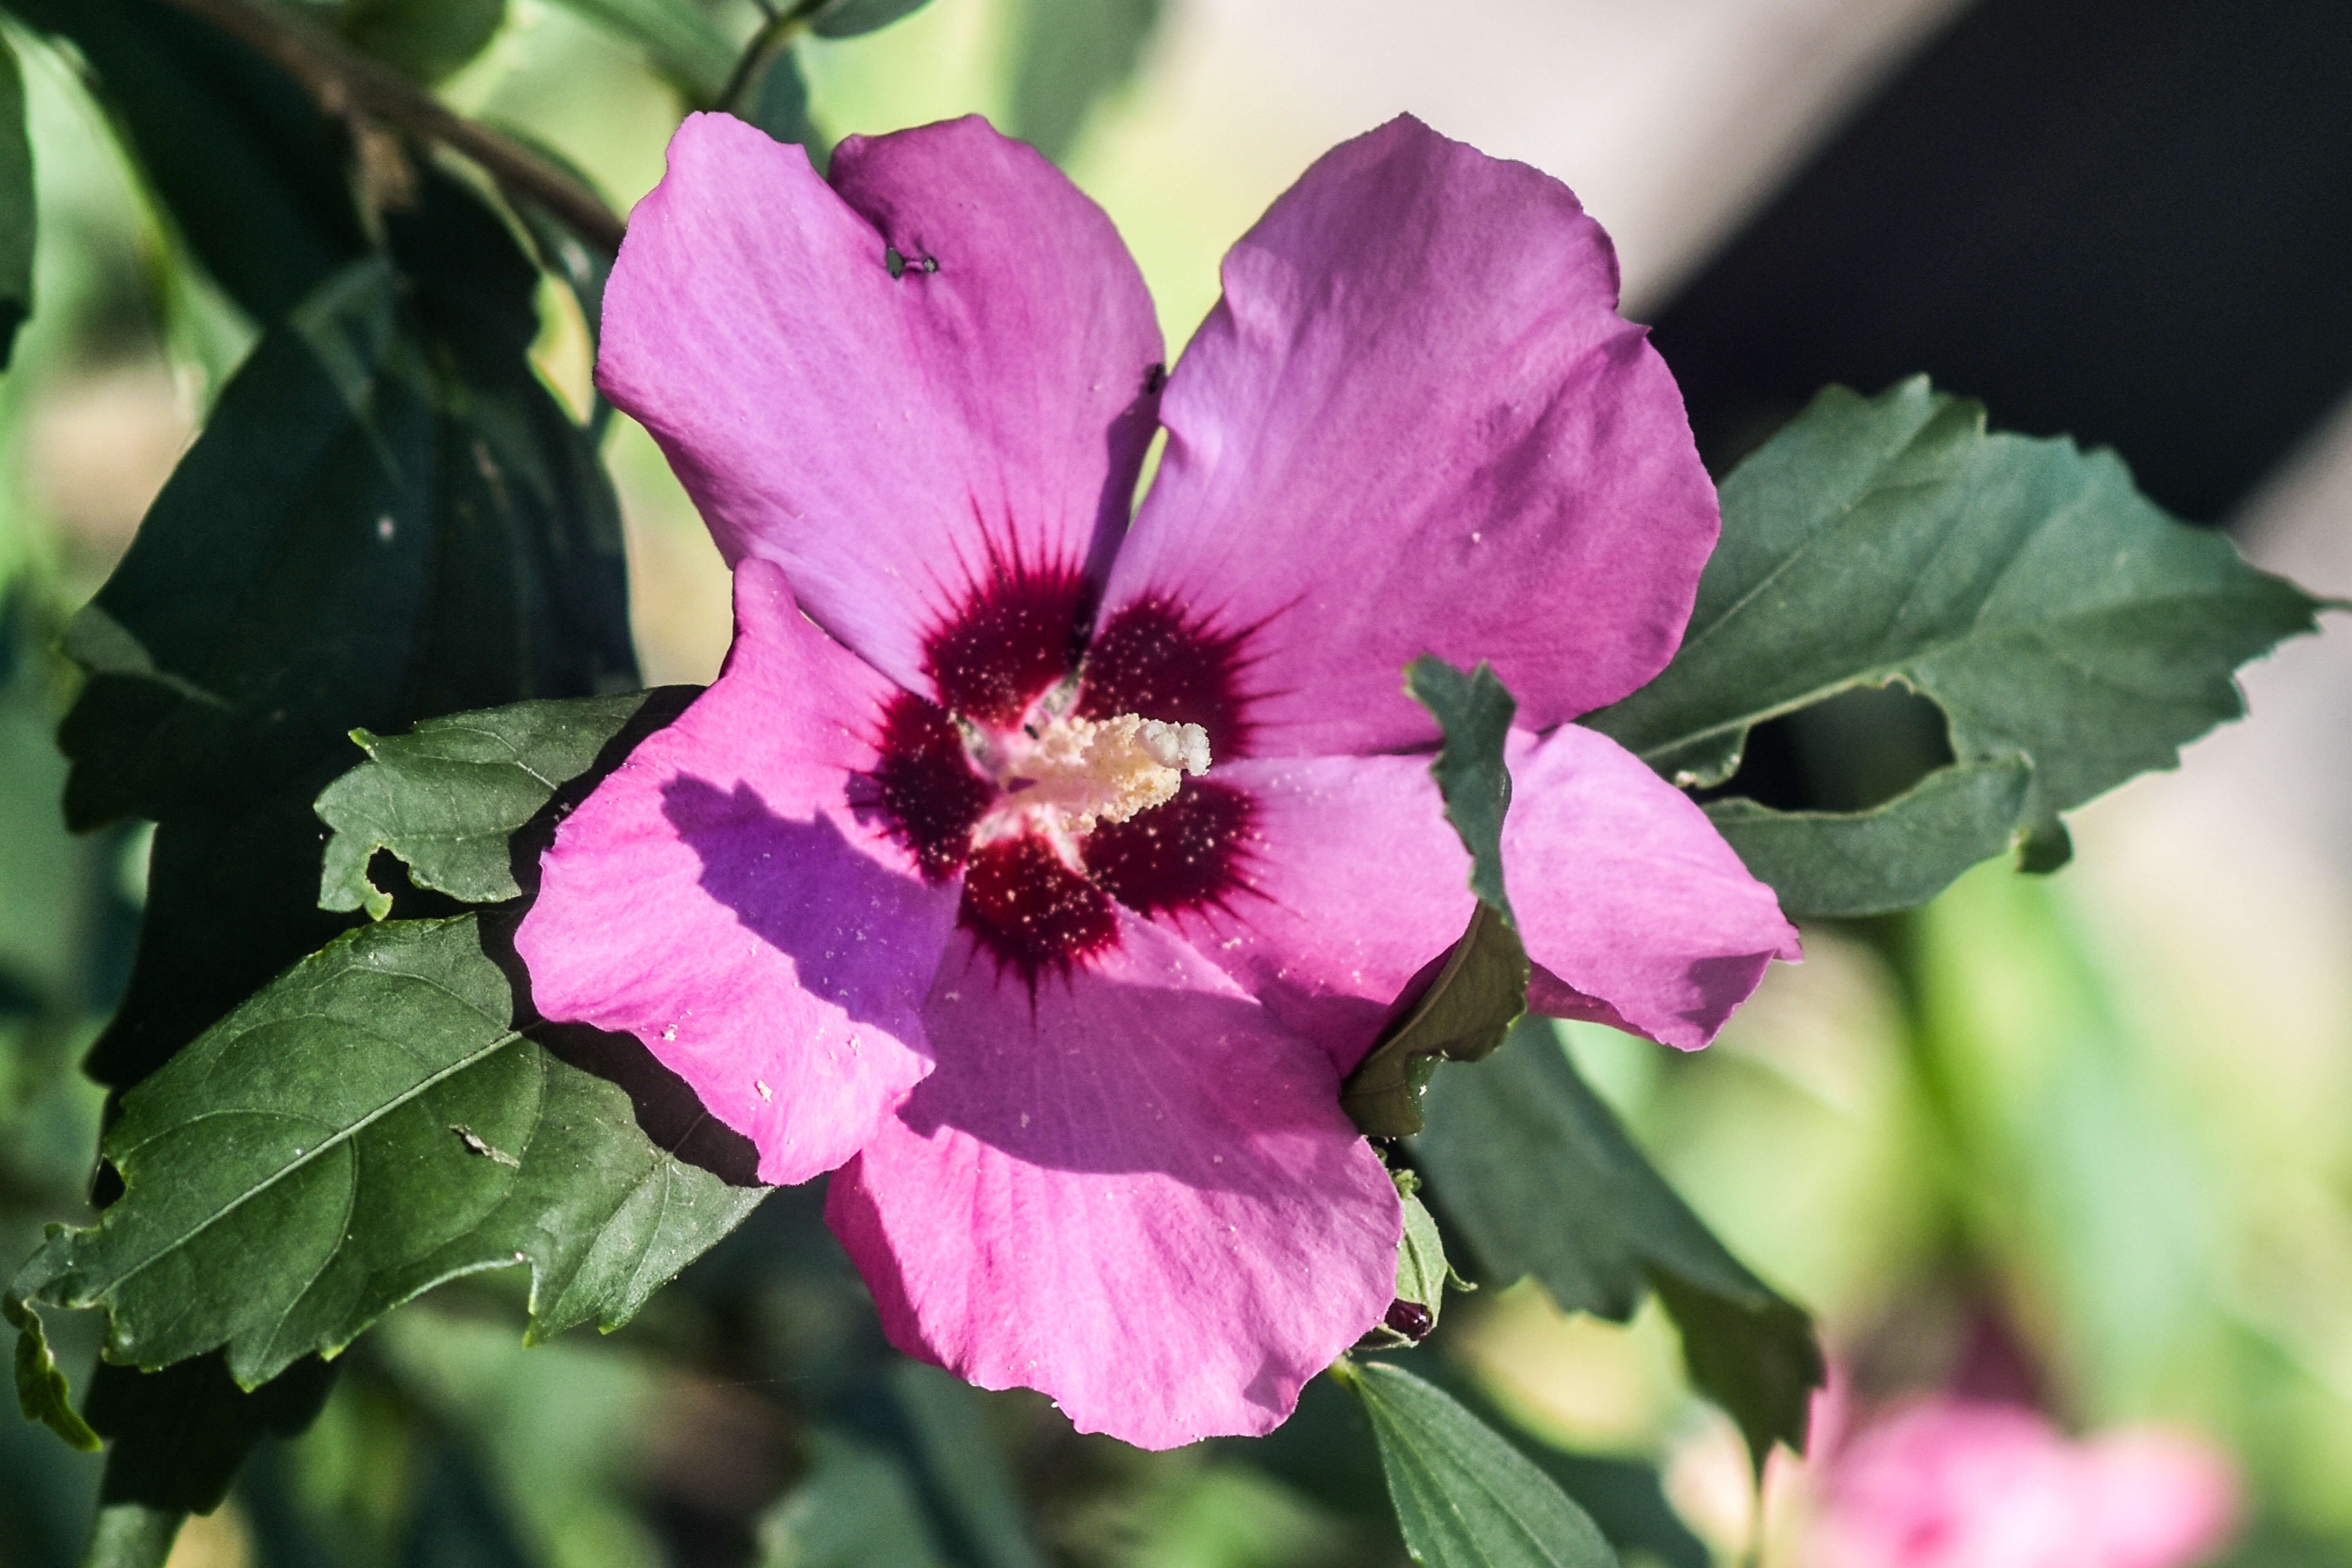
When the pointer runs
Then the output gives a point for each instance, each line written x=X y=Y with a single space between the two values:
x=1423 y=1274
x=366 y=1127
x=1464 y=1497
x=2052 y=611
x=447 y=796
x=16 y=214
x=1540 y=1178
x=1072 y=54
x=133 y=1535
x=1481 y=984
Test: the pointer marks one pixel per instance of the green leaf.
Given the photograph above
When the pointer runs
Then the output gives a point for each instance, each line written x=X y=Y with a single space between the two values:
x=780 y=105
x=16 y=210
x=426 y=39
x=366 y=1127
x=963 y=1464
x=386 y=518
x=1073 y=53
x=1464 y=1497
x=1422 y=1273
x=849 y=19
x=254 y=176
x=447 y=796
x=41 y=1391
x=2053 y=613
x=1892 y=856
x=678 y=37
x=1539 y=1178
x=856 y=1507
x=1481 y=984
x=133 y=1535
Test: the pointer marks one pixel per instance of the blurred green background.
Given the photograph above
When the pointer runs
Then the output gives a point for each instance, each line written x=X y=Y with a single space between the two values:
x=2101 y=1117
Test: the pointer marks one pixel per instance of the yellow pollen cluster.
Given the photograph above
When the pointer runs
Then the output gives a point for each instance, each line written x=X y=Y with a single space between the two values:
x=1085 y=771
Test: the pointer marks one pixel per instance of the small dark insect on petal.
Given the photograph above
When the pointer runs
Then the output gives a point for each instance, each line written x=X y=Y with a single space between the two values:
x=930 y=264
x=1410 y=1319
x=1154 y=379
x=894 y=261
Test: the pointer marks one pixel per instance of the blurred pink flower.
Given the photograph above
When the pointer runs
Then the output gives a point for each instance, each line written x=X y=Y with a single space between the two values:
x=1045 y=874
x=1954 y=1483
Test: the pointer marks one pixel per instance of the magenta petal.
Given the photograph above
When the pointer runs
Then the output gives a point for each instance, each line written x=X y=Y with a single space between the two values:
x=1352 y=881
x=717 y=897
x=899 y=444
x=1415 y=423
x=1636 y=912
x=1137 y=1195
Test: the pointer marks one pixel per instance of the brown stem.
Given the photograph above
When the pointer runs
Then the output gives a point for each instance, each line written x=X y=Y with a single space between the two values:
x=350 y=86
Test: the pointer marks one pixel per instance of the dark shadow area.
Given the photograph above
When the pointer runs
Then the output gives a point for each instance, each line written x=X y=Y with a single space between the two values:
x=1855 y=751
x=2124 y=220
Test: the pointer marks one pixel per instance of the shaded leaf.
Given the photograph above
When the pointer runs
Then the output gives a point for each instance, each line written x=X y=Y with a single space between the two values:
x=1535 y=1173
x=1464 y=1497
x=387 y=517
x=427 y=39
x=254 y=176
x=133 y=1535
x=447 y=796
x=1421 y=1274
x=2052 y=612
x=41 y=1391
x=856 y=1507
x=848 y=18
x=333 y=1148
x=1481 y=983
x=1073 y=53
x=963 y=1464
x=16 y=210
x=780 y=105
x=1896 y=856
x=678 y=37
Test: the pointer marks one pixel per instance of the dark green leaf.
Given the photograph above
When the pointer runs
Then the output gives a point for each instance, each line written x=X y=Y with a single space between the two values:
x=427 y=39
x=848 y=18
x=1474 y=711
x=254 y=176
x=175 y=1438
x=1464 y=1497
x=780 y=105
x=1536 y=1175
x=386 y=518
x=447 y=796
x=16 y=213
x=2052 y=612
x=678 y=36
x=41 y=1389
x=1072 y=54
x=1892 y=856
x=366 y=1127
x=1481 y=984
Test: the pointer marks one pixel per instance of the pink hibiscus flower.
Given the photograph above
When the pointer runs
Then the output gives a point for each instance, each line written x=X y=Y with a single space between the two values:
x=1041 y=875
x=1956 y=1483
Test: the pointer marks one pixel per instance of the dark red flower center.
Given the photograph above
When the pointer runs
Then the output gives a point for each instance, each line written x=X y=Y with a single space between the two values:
x=1040 y=886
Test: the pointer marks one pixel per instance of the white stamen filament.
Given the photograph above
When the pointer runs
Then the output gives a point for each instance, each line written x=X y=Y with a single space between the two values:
x=1082 y=772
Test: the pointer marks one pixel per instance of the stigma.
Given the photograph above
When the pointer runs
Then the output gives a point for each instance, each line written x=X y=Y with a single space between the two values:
x=1078 y=773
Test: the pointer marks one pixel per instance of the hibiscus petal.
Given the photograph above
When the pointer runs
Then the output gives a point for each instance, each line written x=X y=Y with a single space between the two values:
x=1635 y=911
x=717 y=897
x=1416 y=424
x=1348 y=881
x=906 y=447
x=1133 y=1191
